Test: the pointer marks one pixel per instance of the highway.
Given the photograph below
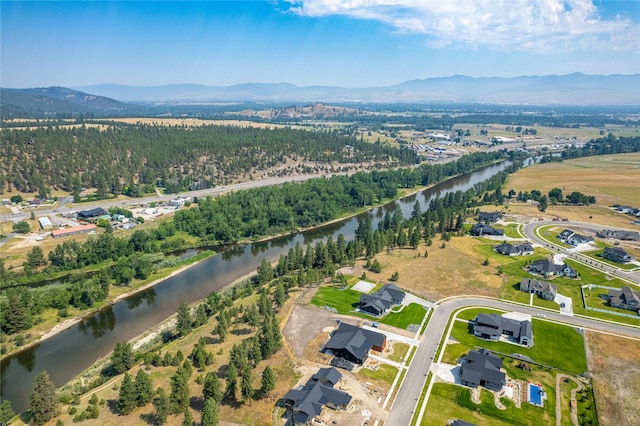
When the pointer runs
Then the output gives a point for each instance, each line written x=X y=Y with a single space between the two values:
x=407 y=398
x=64 y=209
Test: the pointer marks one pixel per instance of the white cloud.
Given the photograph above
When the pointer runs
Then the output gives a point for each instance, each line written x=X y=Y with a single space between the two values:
x=512 y=25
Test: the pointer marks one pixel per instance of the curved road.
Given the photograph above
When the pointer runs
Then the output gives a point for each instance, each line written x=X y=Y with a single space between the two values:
x=529 y=230
x=406 y=400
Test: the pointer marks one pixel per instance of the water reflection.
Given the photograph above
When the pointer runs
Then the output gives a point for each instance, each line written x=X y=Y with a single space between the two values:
x=100 y=323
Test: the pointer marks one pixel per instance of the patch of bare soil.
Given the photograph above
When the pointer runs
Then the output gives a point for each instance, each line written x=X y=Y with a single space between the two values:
x=615 y=367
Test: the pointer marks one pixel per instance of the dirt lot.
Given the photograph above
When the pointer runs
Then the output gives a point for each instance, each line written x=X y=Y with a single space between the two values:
x=616 y=394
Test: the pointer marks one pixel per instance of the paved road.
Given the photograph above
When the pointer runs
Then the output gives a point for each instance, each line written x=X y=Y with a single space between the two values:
x=17 y=217
x=529 y=231
x=406 y=401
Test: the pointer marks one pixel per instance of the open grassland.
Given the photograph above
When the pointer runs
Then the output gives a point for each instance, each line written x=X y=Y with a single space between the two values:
x=612 y=179
x=615 y=368
x=454 y=270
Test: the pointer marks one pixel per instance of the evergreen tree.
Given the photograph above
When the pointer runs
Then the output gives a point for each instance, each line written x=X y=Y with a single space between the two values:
x=232 y=381
x=43 y=403
x=35 y=257
x=6 y=412
x=209 y=413
x=246 y=388
x=212 y=388
x=122 y=357
x=144 y=388
x=179 y=397
x=162 y=404
x=268 y=380
x=127 y=398
x=184 y=320
x=188 y=418
x=279 y=295
x=201 y=315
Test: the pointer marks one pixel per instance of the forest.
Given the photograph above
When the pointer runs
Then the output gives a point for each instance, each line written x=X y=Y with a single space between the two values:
x=136 y=158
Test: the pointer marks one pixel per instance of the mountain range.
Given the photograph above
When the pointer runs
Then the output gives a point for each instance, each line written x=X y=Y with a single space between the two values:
x=570 y=89
x=100 y=100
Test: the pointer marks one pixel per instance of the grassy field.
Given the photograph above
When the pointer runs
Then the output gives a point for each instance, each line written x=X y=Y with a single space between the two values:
x=346 y=301
x=384 y=373
x=612 y=179
x=597 y=256
x=551 y=344
x=399 y=352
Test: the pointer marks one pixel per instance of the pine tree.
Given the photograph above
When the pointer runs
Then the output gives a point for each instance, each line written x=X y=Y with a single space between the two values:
x=209 y=413
x=201 y=315
x=162 y=405
x=246 y=388
x=127 y=399
x=212 y=388
x=6 y=412
x=179 y=397
x=43 y=403
x=122 y=358
x=232 y=381
x=268 y=380
x=144 y=388
x=279 y=295
x=188 y=419
x=184 y=320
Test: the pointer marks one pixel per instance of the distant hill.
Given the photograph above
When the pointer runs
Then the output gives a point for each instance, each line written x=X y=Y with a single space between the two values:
x=571 y=89
x=58 y=102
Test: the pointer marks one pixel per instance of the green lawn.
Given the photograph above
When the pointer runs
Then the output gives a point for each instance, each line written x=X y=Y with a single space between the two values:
x=399 y=352
x=597 y=256
x=346 y=301
x=547 y=233
x=384 y=373
x=449 y=402
x=510 y=230
x=552 y=342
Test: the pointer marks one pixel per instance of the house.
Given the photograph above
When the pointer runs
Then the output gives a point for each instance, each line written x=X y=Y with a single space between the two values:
x=541 y=289
x=489 y=217
x=574 y=239
x=308 y=401
x=511 y=250
x=480 y=229
x=616 y=254
x=480 y=368
x=92 y=213
x=353 y=343
x=626 y=298
x=495 y=326
x=548 y=269
x=82 y=229
x=619 y=235
x=624 y=209
x=382 y=300
x=461 y=423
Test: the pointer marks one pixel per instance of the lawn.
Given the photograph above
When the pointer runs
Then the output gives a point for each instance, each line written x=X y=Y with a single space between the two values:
x=449 y=401
x=551 y=344
x=346 y=301
x=511 y=230
x=550 y=233
x=597 y=256
x=399 y=352
x=384 y=373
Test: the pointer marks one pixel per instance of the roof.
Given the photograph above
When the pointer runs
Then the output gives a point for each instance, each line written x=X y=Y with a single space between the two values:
x=506 y=248
x=616 y=251
x=480 y=365
x=98 y=211
x=492 y=320
x=355 y=340
x=496 y=324
x=382 y=299
x=546 y=267
x=624 y=296
x=528 y=284
x=327 y=375
x=489 y=217
x=310 y=398
x=75 y=229
x=45 y=221
x=461 y=423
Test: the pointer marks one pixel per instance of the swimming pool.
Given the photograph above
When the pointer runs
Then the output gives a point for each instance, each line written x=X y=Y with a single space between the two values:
x=535 y=395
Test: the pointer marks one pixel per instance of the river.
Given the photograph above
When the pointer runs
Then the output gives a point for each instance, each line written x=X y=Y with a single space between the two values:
x=70 y=352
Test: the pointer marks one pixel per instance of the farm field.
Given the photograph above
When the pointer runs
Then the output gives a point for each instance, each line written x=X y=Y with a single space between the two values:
x=612 y=179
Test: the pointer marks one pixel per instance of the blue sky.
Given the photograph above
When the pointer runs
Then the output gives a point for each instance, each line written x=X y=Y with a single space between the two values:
x=348 y=43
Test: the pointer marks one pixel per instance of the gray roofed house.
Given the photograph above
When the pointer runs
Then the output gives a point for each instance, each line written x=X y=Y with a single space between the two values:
x=461 y=423
x=382 y=300
x=92 y=213
x=625 y=298
x=307 y=401
x=480 y=368
x=619 y=235
x=542 y=289
x=616 y=254
x=494 y=326
x=511 y=250
x=570 y=237
x=480 y=229
x=548 y=269
x=353 y=343
x=327 y=376
x=489 y=217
